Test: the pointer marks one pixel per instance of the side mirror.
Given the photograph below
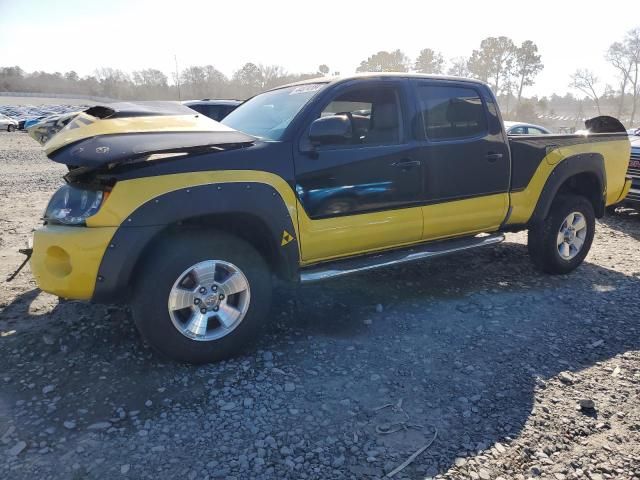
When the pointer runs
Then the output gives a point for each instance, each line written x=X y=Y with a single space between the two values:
x=334 y=129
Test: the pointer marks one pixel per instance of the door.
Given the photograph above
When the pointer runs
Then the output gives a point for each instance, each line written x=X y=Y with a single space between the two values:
x=465 y=159
x=357 y=195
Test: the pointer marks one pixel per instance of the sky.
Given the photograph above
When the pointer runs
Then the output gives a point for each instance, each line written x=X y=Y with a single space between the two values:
x=82 y=35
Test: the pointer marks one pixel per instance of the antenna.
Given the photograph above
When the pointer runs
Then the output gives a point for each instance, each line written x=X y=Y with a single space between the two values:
x=175 y=57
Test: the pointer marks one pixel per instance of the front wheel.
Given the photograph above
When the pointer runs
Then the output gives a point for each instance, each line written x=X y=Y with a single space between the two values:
x=560 y=243
x=202 y=297
x=11 y=128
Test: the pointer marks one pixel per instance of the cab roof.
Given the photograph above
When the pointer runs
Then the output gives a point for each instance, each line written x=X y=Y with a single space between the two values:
x=355 y=76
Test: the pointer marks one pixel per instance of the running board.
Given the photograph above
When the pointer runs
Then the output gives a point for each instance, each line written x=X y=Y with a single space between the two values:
x=363 y=263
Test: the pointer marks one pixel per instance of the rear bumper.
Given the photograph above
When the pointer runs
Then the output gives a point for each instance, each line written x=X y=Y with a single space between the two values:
x=65 y=260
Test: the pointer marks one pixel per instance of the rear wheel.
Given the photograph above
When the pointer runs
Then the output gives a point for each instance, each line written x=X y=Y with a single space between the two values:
x=560 y=243
x=202 y=298
x=11 y=128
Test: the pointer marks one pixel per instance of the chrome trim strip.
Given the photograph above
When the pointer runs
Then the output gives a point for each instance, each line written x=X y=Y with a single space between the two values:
x=339 y=268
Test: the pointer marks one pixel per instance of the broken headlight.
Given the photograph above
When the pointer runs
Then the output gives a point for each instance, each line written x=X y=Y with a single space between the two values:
x=72 y=205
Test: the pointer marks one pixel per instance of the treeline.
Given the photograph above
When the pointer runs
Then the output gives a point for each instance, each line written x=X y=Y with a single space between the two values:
x=151 y=84
x=507 y=67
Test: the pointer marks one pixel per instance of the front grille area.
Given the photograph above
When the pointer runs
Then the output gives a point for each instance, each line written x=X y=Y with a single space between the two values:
x=633 y=196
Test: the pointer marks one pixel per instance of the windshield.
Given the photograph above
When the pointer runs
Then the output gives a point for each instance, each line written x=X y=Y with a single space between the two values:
x=269 y=114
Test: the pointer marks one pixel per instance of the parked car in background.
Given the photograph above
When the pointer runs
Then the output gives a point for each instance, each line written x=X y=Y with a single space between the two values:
x=519 y=128
x=634 y=132
x=214 y=109
x=28 y=115
x=30 y=122
x=8 y=123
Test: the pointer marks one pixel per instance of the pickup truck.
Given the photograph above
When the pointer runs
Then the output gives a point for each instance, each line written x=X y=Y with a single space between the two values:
x=190 y=221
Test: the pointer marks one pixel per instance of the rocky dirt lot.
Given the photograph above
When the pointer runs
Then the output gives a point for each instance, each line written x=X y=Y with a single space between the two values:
x=504 y=372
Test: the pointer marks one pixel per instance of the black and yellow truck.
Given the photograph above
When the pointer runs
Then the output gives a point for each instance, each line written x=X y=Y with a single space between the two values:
x=190 y=221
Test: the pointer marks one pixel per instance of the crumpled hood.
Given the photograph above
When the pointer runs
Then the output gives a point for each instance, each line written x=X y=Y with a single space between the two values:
x=123 y=132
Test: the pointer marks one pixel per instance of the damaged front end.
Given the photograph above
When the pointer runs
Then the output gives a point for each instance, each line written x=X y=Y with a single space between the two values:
x=105 y=140
x=100 y=146
x=113 y=137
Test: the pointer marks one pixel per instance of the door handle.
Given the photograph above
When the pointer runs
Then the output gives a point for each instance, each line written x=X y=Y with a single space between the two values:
x=406 y=164
x=492 y=156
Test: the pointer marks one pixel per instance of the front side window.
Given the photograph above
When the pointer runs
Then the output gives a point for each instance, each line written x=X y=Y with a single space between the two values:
x=374 y=112
x=518 y=131
x=450 y=112
x=268 y=114
x=535 y=131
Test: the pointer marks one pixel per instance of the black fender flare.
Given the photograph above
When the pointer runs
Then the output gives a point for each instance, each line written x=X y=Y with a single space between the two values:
x=138 y=231
x=591 y=163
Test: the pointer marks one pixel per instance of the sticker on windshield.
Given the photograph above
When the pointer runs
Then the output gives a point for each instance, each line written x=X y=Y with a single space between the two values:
x=313 y=87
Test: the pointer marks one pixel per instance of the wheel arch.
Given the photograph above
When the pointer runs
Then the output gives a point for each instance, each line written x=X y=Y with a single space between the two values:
x=582 y=174
x=252 y=211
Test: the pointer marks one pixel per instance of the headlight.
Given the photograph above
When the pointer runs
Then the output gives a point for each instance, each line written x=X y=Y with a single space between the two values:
x=72 y=206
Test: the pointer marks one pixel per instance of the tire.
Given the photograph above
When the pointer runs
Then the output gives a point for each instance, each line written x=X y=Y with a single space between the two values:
x=547 y=252
x=611 y=209
x=163 y=278
x=11 y=128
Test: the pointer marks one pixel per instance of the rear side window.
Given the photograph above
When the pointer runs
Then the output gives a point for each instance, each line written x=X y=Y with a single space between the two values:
x=451 y=112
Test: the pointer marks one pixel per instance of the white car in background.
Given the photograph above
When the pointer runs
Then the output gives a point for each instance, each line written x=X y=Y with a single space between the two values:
x=520 y=128
x=8 y=123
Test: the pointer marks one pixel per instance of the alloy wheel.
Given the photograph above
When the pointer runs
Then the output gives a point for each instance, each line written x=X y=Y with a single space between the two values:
x=209 y=300
x=572 y=235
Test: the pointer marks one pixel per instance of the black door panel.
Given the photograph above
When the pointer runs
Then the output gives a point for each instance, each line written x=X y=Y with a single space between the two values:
x=463 y=150
x=357 y=180
x=460 y=170
x=377 y=168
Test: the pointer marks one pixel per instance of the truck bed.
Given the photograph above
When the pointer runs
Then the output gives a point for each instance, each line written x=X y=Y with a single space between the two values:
x=533 y=157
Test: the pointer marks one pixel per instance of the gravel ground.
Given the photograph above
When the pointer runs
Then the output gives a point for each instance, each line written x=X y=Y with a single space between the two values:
x=515 y=374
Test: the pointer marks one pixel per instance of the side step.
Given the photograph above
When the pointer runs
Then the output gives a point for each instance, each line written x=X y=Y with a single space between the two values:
x=363 y=263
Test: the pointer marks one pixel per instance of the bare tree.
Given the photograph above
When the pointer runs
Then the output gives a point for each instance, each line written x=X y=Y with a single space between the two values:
x=632 y=50
x=494 y=61
x=459 y=67
x=618 y=58
x=624 y=56
x=527 y=65
x=323 y=69
x=429 y=61
x=114 y=83
x=272 y=75
x=382 y=61
x=586 y=81
x=72 y=76
x=248 y=79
